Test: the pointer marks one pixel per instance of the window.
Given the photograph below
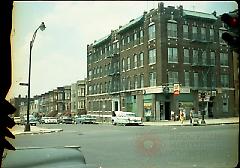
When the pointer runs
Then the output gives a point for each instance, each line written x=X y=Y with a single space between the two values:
x=186 y=56
x=135 y=36
x=128 y=39
x=135 y=61
x=152 y=56
x=141 y=36
x=129 y=83
x=90 y=89
x=135 y=82
x=186 y=78
x=203 y=33
x=123 y=42
x=81 y=104
x=117 y=44
x=151 y=32
x=194 y=32
x=128 y=63
x=185 y=31
x=195 y=57
x=223 y=59
x=224 y=80
x=141 y=60
x=123 y=83
x=204 y=79
x=212 y=58
x=172 y=29
x=123 y=65
x=109 y=86
x=100 y=91
x=172 y=77
x=90 y=74
x=152 y=79
x=211 y=37
x=172 y=55
x=213 y=80
x=82 y=92
x=220 y=36
x=195 y=79
x=141 y=81
x=204 y=58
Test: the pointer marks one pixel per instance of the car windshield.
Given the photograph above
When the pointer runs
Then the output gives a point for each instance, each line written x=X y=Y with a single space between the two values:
x=131 y=115
x=135 y=84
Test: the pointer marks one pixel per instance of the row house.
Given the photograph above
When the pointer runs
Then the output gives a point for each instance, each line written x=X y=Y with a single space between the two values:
x=67 y=100
x=78 y=97
x=136 y=67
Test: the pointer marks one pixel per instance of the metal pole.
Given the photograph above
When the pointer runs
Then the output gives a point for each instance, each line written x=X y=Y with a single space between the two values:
x=42 y=27
x=27 y=126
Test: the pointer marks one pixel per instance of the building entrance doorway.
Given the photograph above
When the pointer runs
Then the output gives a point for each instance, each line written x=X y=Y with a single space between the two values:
x=167 y=111
x=116 y=106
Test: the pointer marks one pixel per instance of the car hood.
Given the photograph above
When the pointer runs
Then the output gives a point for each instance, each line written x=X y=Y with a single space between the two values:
x=38 y=157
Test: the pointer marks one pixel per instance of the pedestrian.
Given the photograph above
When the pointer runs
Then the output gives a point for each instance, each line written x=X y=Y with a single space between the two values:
x=181 y=117
x=191 y=115
x=172 y=115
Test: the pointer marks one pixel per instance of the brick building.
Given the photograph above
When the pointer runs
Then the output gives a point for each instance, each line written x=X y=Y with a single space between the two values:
x=139 y=66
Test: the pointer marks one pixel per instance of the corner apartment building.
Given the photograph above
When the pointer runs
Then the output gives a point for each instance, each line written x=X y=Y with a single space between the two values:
x=136 y=67
x=17 y=102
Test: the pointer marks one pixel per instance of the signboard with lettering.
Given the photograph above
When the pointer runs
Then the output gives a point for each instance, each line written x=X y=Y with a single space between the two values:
x=176 y=89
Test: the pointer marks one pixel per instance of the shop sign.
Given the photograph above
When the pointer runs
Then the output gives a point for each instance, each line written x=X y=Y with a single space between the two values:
x=176 y=89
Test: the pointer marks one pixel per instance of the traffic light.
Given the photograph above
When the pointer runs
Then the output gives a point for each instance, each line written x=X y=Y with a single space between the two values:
x=231 y=37
x=5 y=123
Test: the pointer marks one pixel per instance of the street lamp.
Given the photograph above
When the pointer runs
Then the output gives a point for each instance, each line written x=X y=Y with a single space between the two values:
x=41 y=27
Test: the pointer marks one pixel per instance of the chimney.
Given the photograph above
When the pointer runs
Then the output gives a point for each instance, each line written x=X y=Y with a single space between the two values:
x=19 y=96
x=214 y=13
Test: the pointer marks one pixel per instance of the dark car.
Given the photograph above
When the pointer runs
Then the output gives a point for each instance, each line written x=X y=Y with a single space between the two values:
x=67 y=120
x=85 y=119
x=51 y=157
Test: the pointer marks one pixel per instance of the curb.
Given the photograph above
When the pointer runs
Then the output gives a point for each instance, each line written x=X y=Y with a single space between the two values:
x=191 y=125
x=39 y=132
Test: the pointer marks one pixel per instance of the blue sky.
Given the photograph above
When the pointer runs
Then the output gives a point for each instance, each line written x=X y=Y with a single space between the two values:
x=59 y=52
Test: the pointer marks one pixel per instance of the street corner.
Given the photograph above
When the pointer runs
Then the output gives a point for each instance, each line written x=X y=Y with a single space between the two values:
x=34 y=130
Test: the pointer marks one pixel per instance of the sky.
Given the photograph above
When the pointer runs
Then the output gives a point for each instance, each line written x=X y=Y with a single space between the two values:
x=59 y=53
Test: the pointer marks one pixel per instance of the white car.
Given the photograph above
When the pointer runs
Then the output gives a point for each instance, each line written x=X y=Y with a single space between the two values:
x=17 y=120
x=50 y=120
x=126 y=118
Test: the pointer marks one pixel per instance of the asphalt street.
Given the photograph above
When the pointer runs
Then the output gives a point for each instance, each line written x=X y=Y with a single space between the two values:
x=145 y=146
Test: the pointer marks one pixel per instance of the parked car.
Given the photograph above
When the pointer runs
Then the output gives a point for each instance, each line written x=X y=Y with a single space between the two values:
x=32 y=120
x=17 y=120
x=126 y=118
x=50 y=120
x=67 y=120
x=85 y=119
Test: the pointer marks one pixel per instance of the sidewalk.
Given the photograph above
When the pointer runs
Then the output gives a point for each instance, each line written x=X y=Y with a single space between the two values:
x=232 y=120
x=19 y=129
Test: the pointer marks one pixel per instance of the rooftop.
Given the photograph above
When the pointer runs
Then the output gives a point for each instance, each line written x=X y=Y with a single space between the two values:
x=199 y=14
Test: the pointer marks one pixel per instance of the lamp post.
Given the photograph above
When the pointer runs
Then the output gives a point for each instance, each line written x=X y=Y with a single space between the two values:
x=41 y=27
